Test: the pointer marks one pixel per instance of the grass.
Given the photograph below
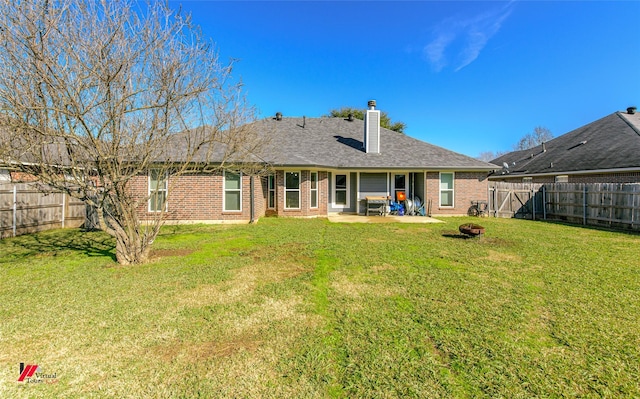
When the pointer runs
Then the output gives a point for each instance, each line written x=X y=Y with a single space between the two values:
x=307 y=308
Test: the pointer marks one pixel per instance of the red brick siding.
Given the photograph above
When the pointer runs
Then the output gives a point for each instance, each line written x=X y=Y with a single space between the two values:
x=467 y=186
x=305 y=195
x=21 y=177
x=628 y=177
x=199 y=197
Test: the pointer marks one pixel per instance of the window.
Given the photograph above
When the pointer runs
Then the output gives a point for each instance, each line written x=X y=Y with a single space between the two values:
x=527 y=179
x=5 y=176
x=446 y=189
x=232 y=191
x=562 y=179
x=340 y=197
x=314 y=190
x=271 y=192
x=157 y=190
x=292 y=190
x=399 y=185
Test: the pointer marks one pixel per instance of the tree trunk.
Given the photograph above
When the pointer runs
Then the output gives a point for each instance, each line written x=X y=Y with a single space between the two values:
x=131 y=249
x=133 y=244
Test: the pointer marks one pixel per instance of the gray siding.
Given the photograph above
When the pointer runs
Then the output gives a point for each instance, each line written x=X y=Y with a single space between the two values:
x=372 y=132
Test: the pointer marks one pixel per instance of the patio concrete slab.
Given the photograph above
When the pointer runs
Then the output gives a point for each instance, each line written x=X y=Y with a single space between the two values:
x=349 y=218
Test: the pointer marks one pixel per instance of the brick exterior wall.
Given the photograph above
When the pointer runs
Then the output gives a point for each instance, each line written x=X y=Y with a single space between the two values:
x=627 y=177
x=467 y=187
x=199 y=197
x=631 y=177
x=305 y=196
x=21 y=177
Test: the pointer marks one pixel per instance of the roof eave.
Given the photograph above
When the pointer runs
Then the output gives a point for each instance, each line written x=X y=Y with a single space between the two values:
x=573 y=172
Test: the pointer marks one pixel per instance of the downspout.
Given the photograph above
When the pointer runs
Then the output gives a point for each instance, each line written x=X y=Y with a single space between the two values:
x=252 y=200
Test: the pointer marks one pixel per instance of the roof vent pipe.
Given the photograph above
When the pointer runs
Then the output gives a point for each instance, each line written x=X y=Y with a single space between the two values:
x=278 y=116
x=350 y=117
x=544 y=147
x=372 y=104
x=631 y=110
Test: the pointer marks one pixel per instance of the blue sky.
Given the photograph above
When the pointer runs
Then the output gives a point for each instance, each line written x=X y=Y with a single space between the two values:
x=469 y=76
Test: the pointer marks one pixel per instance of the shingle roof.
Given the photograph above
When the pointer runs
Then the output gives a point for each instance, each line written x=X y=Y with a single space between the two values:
x=612 y=142
x=324 y=142
x=338 y=143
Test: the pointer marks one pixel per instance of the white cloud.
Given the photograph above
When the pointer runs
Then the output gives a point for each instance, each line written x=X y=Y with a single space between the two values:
x=471 y=33
x=435 y=50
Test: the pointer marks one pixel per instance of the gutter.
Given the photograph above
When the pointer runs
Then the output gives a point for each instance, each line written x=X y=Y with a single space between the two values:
x=575 y=172
x=385 y=168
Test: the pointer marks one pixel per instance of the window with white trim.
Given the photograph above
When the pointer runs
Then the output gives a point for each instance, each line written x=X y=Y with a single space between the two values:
x=314 y=190
x=292 y=190
x=446 y=189
x=271 y=192
x=232 y=191
x=158 y=189
x=341 y=190
x=562 y=179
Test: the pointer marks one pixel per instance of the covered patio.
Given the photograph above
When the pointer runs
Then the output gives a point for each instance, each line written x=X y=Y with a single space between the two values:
x=353 y=218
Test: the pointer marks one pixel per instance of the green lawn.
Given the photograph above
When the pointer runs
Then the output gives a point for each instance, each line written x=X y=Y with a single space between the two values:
x=307 y=308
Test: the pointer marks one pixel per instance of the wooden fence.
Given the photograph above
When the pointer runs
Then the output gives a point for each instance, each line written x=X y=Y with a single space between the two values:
x=602 y=204
x=25 y=209
x=515 y=200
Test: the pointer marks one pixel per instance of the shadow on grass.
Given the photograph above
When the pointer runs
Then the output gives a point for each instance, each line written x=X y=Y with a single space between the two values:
x=51 y=243
x=611 y=229
x=454 y=234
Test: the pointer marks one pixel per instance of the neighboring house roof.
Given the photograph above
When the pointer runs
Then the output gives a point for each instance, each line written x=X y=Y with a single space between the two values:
x=338 y=143
x=608 y=144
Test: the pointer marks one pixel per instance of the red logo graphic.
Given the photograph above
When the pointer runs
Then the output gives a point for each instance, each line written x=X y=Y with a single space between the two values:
x=27 y=372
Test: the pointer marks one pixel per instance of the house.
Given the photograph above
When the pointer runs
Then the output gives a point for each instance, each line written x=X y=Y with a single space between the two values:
x=320 y=166
x=604 y=151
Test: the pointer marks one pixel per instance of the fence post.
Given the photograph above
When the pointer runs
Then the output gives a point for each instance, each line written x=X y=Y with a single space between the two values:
x=64 y=203
x=544 y=202
x=491 y=200
x=533 y=201
x=611 y=208
x=633 y=209
x=15 y=209
x=584 y=205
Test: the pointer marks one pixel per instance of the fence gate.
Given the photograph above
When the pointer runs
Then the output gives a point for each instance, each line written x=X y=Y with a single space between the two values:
x=513 y=200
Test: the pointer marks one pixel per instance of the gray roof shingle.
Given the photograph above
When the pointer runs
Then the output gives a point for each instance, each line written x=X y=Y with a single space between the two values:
x=338 y=143
x=612 y=142
x=317 y=142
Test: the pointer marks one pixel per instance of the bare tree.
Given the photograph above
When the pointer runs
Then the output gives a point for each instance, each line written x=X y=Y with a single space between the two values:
x=488 y=156
x=539 y=135
x=96 y=94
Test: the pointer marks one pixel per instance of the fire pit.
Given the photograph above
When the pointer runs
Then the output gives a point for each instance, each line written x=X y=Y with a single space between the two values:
x=471 y=229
